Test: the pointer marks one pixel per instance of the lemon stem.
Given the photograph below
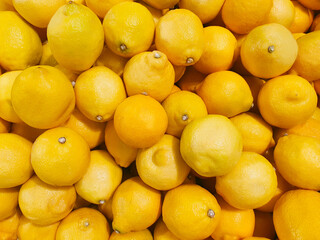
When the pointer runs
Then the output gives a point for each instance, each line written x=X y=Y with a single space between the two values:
x=62 y=140
x=271 y=49
x=123 y=47
x=99 y=117
x=211 y=213
x=190 y=60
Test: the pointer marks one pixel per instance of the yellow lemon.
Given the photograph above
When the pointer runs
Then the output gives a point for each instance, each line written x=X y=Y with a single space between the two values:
x=75 y=48
x=234 y=223
x=190 y=212
x=225 y=93
x=256 y=133
x=294 y=215
x=164 y=4
x=255 y=85
x=80 y=203
x=191 y=79
x=183 y=107
x=36 y=12
x=149 y=73
x=129 y=29
x=52 y=98
x=139 y=235
x=99 y=91
x=101 y=179
x=282 y=12
x=140 y=121
x=250 y=184
x=179 y=72
x=161 y=232
x=161 y=165
x=47 y=58
x=6 y=110
x=269 y=50
x=26 y=131
x=60 y=156
x=307 y=62
x=4 y=126
x=303 y=18
x=135 y=206
x=156 y=13
x=15 y=164
x=123 y=154
x=287 y=101
x=111 y=60
x=183 y=45
x=297 y=159
x=71 y=75
x=106 y=209
x=84 y=224
x=28 y=230
x=8 y=202
x=91 y=131
x=219 y=50
x=211 y=145
x=44 y=204
x=9 y=227
x=20 y=45
x=102 y=7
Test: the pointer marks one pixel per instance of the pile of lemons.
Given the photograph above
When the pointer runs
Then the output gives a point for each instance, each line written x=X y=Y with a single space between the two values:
x=164 y=120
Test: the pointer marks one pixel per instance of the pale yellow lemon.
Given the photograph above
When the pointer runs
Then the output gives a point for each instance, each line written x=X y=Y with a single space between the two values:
x=52 y=99
x=182 y=107
x=6 y=110
x=129 y=29
x=60 y=156
x=190 y=212
x=75 y=48
x=15 y=161
x=20 y=45
x=185 y=44
x=101 y=179
x=211 y=145
x=84 y=224
x=123 y=154
x=44 y=204
x=135 y=206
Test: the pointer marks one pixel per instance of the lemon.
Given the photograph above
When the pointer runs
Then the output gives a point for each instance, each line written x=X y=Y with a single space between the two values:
x=15 y=164
x=129 y=29
x=135 y=206
x=162 y=4
x=211 y=145
x=161 y=165
x=139 y=235
x=20 y=45
x=52 y=98
x=161 y=232
x=9 y=226
x=47 y=58
x=9 y=202
x=26 y=131
x=84 y=224
x=102 y=7
x=98 y=93
x=44 y=204
x=101 y=179
x=6 y=110
x=75 y=48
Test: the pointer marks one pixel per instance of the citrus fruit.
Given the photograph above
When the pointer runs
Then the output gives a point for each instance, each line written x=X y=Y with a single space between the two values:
x=26 y=131
x=184 y=45
x=52 y=98
x=135 y=206
x=269 y=51
x=129 y=28
x=102 y=7
x=253 y=175
x=190 y=212
x=164 y=4
x=255 y=85
x=44 y=204
x=75 y=48
x=211 y=145
x=161 y=232
x=9 y=202
x=15 y=164
x=191 y=79
x=9 y=226
x=140 y=121
x=225 y=93
x=303 y=18
x=149 y=73
x=182 y=107
x=47 y=58
x=139 y=235
x=99 y=91
x=282 y=12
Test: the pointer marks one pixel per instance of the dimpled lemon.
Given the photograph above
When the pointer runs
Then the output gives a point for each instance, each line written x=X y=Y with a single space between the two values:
x=43 y=97
x=129 y=28
x=211 y=145
x=75 y=48
x=20 y=45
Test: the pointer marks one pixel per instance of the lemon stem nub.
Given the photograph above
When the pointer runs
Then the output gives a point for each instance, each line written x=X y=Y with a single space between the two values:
x=86 y=224
x=62 y=140
x=185 y=117
x=157 y=55
x=211 y=213
x=144 y=93
x=116 y=231
x=73 y=83
x=271 y=49
x=102 y=201
x=190 y=60
x=123 y=47
x=99 y=118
